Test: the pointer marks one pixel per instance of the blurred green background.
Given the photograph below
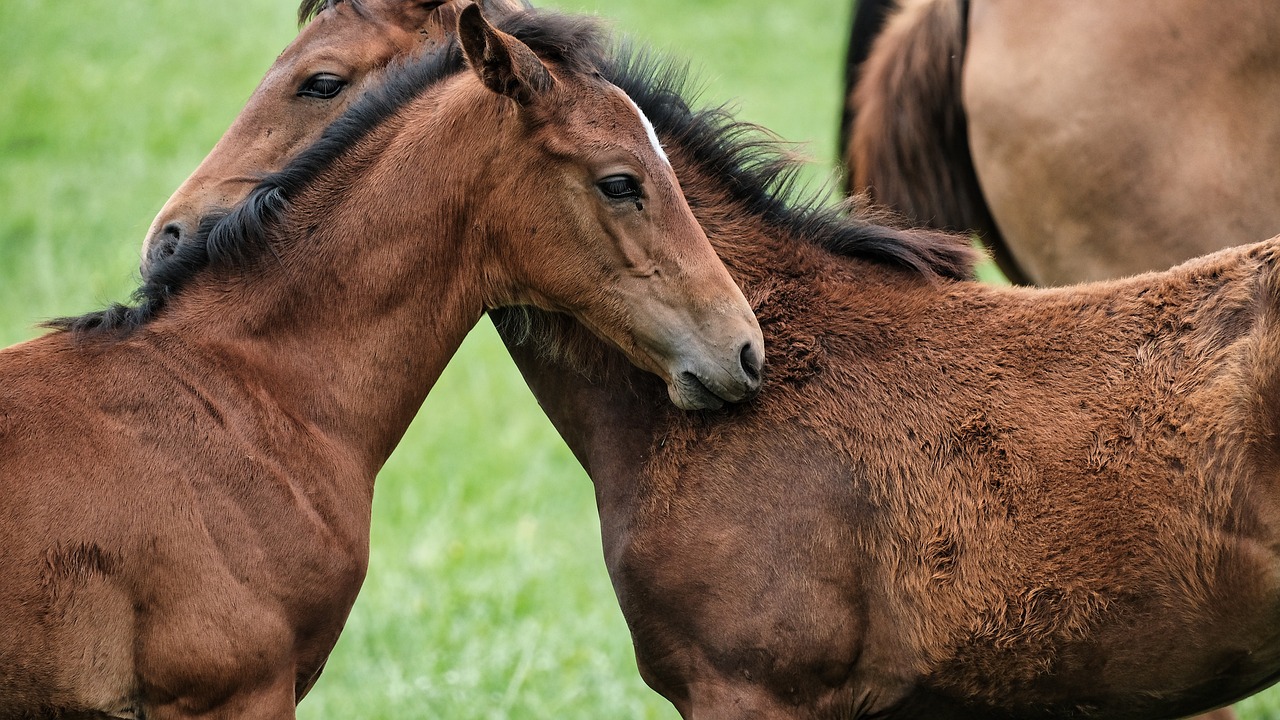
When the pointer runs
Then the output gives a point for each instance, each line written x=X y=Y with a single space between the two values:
x=486 y=595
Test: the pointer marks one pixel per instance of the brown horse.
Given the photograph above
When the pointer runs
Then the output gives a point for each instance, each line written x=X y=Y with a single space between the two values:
x=339 y=54
x=950 y=500
x=1083 y=140
x=1004 y=502
x=187 y=481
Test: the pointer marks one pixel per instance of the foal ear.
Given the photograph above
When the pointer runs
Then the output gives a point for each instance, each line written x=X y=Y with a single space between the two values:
x=436 y=20
x=504 y=64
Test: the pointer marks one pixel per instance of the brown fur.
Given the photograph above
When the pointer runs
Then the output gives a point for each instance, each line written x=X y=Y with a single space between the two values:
x=863 y=572
x=1102 y=139
x=354 y=41
x=950 y=500
x=186 y=504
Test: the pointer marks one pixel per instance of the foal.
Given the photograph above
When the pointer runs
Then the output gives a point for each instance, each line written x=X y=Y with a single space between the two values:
x=187 y=482
x=950 y=500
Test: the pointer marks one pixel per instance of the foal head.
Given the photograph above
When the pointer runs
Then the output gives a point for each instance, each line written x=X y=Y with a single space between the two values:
x=329 y=64
x=582 y=188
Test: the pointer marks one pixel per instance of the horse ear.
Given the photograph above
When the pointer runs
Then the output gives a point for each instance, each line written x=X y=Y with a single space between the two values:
x=504 y=64
x=437 y=20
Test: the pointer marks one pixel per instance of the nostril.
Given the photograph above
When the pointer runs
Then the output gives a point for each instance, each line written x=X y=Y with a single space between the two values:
x=165 y=242
x=751 y=360
x=172 y=232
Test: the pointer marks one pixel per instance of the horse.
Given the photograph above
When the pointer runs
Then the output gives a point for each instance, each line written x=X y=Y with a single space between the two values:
x=338 y=54
x=1081 y=140
x=950 y=500
x=1006 y=502
x=188 y=478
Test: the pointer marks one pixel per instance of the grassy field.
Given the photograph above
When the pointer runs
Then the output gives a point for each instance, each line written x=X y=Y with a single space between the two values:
x=486 y=596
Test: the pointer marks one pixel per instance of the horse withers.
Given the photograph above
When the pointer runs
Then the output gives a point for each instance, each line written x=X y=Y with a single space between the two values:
x=188 y=479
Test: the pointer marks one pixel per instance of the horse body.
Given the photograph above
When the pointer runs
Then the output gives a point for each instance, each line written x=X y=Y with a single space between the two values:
x=140 y=560
x=1154 y=141
x=949 y=500
x=188 y=482
x=1107 y=139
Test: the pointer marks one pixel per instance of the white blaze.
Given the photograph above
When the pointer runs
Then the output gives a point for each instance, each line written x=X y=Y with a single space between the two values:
x=648 y=128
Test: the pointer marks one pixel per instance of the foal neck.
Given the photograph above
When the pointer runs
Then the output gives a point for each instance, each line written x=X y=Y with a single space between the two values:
x=374 y=280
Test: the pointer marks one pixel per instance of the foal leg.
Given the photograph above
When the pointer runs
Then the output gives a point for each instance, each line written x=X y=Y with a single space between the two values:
x=273 y=700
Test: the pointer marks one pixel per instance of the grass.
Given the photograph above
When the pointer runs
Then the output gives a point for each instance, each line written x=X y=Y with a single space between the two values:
x=486 y=596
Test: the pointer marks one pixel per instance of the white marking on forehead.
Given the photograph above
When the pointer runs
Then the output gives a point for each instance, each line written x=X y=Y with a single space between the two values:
x=648 y=127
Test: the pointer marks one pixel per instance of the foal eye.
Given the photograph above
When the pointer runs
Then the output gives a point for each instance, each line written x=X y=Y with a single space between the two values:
x=620 y=187
x=324 y=86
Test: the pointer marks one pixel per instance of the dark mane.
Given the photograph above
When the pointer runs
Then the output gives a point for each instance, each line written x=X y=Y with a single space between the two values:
x=240 y=237
x=311 y=8
x=757 y=173
x=761 y=176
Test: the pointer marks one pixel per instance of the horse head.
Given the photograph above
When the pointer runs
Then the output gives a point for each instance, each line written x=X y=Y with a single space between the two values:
x=338 y=54
x=629 y=259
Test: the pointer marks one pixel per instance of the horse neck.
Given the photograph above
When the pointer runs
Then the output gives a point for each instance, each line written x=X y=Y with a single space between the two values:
x=376 y=286
x=609 y=412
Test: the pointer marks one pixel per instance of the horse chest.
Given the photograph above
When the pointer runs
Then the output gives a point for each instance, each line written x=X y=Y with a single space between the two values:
x=267 y=573
x=732 y=611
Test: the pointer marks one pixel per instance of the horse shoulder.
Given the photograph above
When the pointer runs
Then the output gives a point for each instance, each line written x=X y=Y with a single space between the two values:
x=120 y=469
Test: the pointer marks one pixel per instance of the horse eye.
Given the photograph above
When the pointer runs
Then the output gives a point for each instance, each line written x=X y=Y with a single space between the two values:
x=620 y=187
x=324 y=86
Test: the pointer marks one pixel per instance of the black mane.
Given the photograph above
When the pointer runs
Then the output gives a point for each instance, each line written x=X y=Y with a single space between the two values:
x=765 y=179
x=755 y=170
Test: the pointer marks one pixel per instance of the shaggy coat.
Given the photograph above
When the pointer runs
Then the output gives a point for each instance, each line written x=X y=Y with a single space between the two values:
x=950 y=500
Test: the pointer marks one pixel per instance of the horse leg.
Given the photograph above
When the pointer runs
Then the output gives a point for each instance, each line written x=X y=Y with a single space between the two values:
x=273 y=699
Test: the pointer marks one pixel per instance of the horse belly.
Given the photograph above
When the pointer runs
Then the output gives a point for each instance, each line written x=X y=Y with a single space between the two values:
x=1170 y=649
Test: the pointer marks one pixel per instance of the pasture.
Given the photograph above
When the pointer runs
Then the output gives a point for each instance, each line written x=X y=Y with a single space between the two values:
x=486 y=596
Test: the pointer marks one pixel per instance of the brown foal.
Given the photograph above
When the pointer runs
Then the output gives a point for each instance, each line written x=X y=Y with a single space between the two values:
x=950 y=500
x=187 y=481
x=339 y=54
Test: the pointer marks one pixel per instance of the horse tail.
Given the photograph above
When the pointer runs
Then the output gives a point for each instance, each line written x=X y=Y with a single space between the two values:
x=906 y=136
x=868 y=20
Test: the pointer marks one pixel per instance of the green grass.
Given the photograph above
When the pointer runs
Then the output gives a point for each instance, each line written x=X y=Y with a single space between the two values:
x=486 y=595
